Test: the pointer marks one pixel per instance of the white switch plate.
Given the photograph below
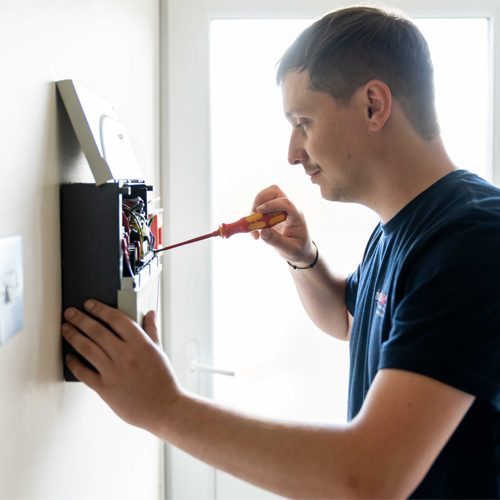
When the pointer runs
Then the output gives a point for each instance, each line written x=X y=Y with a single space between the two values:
x=11 y=287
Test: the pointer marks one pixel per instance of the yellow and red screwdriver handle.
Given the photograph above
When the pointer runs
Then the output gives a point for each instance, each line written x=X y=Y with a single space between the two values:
x=252 y=223
x=244 y=225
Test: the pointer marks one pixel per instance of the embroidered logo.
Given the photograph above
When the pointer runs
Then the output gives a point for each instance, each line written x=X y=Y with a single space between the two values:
x=381 y=299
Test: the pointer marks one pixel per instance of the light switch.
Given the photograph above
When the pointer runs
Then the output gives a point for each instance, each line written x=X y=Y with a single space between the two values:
x=11 y=287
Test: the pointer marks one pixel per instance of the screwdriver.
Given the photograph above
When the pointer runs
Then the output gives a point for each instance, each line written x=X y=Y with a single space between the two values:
x=244 y=225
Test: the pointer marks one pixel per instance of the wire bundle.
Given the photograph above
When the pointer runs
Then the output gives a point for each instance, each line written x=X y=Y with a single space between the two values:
x=136 y=224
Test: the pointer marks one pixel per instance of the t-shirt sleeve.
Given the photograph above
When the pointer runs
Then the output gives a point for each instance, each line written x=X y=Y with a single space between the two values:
x=351 y=291
x=447 y=323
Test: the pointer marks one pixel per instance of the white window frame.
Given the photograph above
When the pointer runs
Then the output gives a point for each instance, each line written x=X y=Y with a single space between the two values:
x=185 y=164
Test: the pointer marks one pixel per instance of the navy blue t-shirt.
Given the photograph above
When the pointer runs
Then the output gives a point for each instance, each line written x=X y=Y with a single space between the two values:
x=426 y=299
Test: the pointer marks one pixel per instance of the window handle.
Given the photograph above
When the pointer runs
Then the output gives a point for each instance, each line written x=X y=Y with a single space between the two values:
x=198 y=367
x=193 y=381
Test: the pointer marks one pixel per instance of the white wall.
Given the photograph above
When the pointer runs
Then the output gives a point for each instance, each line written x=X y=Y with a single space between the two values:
x=59 y=440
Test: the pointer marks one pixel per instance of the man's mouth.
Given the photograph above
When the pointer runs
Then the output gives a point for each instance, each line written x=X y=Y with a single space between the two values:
x=312 y=171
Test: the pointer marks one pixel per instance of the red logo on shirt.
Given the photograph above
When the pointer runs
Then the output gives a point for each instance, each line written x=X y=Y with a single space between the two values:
x=381 y=299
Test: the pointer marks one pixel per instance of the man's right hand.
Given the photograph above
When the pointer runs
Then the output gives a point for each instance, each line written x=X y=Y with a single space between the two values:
x=290 y=238
x=321 y=291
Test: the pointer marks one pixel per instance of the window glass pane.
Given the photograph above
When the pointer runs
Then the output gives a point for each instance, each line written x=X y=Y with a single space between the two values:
x=285 y=366
x=460 y=59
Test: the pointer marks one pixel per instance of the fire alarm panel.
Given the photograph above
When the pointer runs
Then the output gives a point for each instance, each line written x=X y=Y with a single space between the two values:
x=109 y=232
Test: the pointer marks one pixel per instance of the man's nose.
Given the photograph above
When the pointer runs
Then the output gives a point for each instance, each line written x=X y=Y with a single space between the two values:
x=296 y=152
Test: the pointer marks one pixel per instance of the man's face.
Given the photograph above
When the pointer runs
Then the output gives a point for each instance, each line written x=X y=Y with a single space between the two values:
x=327 y=138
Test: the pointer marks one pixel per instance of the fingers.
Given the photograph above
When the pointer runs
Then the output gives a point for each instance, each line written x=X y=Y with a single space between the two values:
x=279 y=205
x=82 y=373
x=149 y=326
x=255 y=235
x=273 y=238
x=88 y=349
x=93 y=329
x=118 y=321
x=268 y=194
x=290 y=238
x=273 y=199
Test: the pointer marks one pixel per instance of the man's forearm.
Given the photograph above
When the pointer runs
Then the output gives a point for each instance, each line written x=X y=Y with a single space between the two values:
x=384 y=452
x=322 y=294
x=293 y=460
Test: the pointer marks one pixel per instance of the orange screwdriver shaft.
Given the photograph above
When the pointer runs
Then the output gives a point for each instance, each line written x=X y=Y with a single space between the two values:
x=245 y=225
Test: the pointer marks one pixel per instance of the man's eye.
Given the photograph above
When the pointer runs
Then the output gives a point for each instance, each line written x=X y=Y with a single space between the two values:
x=301 y=125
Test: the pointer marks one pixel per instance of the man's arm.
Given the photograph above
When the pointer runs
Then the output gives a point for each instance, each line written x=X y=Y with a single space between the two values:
x=385 y=451
x=321 y=291
x=322 y=294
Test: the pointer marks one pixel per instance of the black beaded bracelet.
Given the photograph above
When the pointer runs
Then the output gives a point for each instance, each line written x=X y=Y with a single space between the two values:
x=297 y=269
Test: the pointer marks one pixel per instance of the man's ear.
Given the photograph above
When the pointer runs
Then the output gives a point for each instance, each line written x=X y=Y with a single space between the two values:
x=377 y=101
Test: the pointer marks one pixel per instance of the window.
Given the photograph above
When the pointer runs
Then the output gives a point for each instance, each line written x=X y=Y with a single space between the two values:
x=285 y=366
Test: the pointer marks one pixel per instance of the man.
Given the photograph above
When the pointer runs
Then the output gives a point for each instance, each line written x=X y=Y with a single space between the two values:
x=422 y=311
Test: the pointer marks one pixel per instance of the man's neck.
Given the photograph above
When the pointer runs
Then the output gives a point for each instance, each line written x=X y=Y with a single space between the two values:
x=407 y=172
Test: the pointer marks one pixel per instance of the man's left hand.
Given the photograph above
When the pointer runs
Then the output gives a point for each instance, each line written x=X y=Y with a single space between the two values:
x=134 y=376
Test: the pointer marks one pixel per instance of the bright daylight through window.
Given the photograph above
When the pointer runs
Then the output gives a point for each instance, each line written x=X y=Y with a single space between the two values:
x=285 y=366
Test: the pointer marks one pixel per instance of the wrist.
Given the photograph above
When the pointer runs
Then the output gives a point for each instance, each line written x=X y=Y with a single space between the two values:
x=306 y=264
x=166 y=421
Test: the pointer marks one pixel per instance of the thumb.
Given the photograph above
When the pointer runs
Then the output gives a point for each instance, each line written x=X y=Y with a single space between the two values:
x=275 y=239
x=266 y=235
x=149 y=326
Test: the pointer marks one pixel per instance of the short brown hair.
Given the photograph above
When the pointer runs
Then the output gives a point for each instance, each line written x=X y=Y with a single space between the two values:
x=348 y=47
